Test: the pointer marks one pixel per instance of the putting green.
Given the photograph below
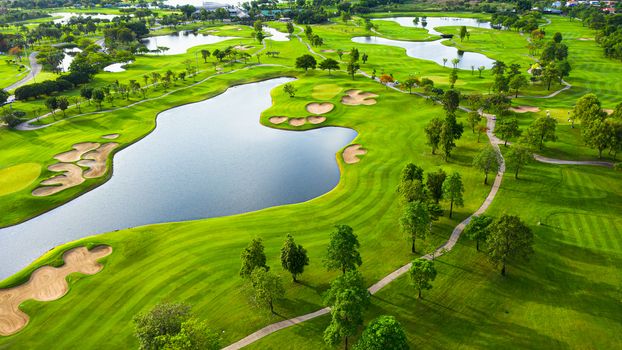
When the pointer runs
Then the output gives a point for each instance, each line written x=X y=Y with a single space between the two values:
x=325 y=91
x=18 y=177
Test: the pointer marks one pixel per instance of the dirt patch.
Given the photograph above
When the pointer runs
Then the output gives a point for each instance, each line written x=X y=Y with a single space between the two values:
x=96 y=159
x=586 y=39
x=351 y=153
x=329 y=51
x=358 y=97
x=76 y=153
x=71 y=177
x=47 y=283
x=608 y=111
x=110 y=136
x=524 y=109
x=277 y=120
x=320 y=108
x=297 y=121
x=316 y=119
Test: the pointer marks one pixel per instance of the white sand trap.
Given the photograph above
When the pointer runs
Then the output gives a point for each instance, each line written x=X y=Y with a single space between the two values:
x=608 y=111
x=320 y=108
x=72 y=176
x=351 y=153
x=524 y=109
x=329 y=51
x=358 y=97
x=96 y=159
x=316 y=119
x=76 y=153
x=47 y=283
x=277 y=120
x=586 y=39
x=110 y=136
x=297 y=121
x=243 y=47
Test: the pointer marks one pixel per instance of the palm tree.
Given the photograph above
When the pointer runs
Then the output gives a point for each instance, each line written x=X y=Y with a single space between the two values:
x=455 y=62
x=444 y=61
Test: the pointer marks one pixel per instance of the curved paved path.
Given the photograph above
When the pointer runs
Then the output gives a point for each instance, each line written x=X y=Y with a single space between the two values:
x=35 y=68
x=446 y=247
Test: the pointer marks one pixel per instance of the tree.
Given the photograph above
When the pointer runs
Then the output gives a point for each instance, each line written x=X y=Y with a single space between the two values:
x=434 y=184
x=507 y=128
x=385 y=79
x=260 y=36
x=451 y=101
x=289 y=89
x=267 y=287
x=557 y=37
x=293 y=257
x=477 y=229
x=541 y=130
x=364 y=58
x=52 y=104
x=352 y=67
x=205 y=54
x=415 y=222
x=409 y=83
x=433 y=133
x=517 y=157
x=346 y=316
x=550 y=73
x=447 y=139
x=290 y=28
x=487 y=160
x=463 y=32
x=509 y=238
x=473 y=119
x=454 y=62
x=305 y=62
x=258 y=26
x=329 y=64
x=162 y=320
x=422 y=272
x=588 y=109
x=453 y=190
x=384 y=332
x=63 y=104
x=342 y=252
x=411 y=172
x=253 y=256
x=598 y=134
x=480 y=69
x=4 y=96
x=518 y=82
x=194 y=334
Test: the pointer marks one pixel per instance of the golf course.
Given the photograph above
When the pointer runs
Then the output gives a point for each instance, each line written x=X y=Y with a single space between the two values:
x=157 y=183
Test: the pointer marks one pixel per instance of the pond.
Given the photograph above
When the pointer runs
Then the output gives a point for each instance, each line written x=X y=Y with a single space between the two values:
x=432 y=51
x=116 y=67
x=435 y=22
x=68 y=58
x=205 y=159
x=275 y=34
x=180 y=42
x=65 y=16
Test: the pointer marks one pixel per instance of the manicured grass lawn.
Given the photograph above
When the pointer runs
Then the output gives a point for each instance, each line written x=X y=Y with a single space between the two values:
x=198 y=261
x=566 y=296
x=9 y=73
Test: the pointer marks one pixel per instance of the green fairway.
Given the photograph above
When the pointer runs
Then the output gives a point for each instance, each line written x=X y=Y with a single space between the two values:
x=18 y=177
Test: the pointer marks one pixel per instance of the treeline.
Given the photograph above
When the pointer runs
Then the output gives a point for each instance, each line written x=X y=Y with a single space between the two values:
x=609 y=27
x=20 y=15
x=527 y=22
x=49 y=87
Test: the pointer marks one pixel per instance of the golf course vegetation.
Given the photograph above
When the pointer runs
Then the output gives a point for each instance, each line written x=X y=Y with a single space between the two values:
x=409 y=181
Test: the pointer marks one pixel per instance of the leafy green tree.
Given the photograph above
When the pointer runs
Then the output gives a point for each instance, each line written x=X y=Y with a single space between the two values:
x=260 y=36
x=98 y=96
x=63 y=104
x=52 y=104
x=293 y=257
x=507 y=128
x=518 y=82
x=422 y=272
x=267 y=287
x=411 y=172
x=517 y=157
x=434 y=183
x=411 y=190
x=463 y=32
x=87 y=93
x=346 y=317
x=205 y=54
x=487 y=160
x=383 y=333
x=352 y=280
x=550 y=73
x=453 y=190
x=4 y=96
x=453 y=78
x=352 y=67
x=305 y=62
x=451 y=101
x=290 y=28
x=194 y=334
x=409 y=83
x=433 y=133
x=162 y=320
x=415 y=222
x=509 y=238
x=258 y=25
x=588 y=108
x=342 y=252
x=540 y=131
x=290 y=89
x=563 y=69
x=477 y=229
x=473 y=119
x=253 y=256
x=447 y=140
x=329 y=64
x=599 y=135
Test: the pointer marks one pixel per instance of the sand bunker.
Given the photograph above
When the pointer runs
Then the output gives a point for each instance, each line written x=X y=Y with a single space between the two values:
x=316 y=119
x=608 y=111
x=72 y=176
x=320 y=108
x=586 y=39
x=358 y=97
x=297 y=121
x=277 y=120
x=95 y=160
x=76 y=153
x=351 y=153
x=329 y=51
x=110 y=136
x=243 y=47
x=47 y=283
x=524 y=109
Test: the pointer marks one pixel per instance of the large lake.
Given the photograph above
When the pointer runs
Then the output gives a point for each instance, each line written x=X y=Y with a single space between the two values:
x=180 y=42
x=435 y=22
x=206 y=159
